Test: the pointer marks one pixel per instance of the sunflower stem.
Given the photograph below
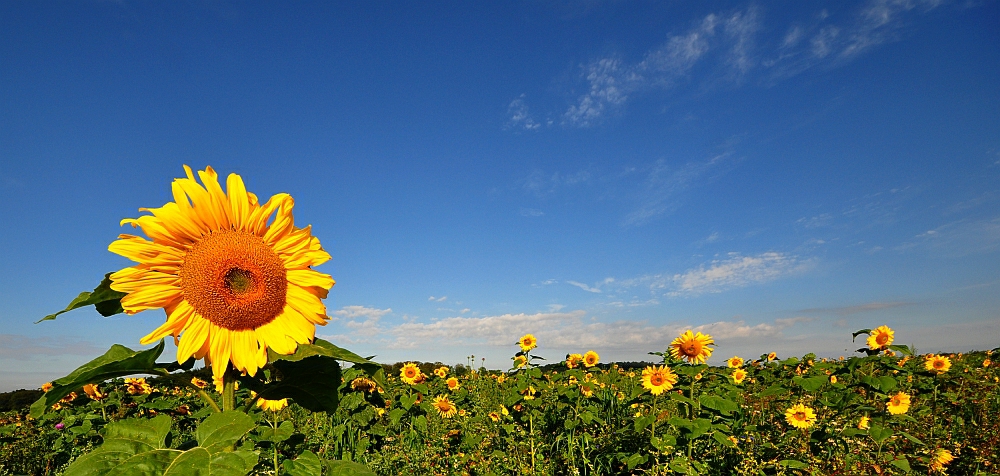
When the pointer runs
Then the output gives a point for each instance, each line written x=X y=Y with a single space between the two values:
x=208 y=398
x=228 y=390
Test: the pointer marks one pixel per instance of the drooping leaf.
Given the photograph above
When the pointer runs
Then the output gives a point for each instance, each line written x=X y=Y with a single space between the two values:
x=307 y=464
x=312 y=382
x=811 y=384
x=902 y=463
x=855 y=334
x=106 y=300
x=279 y=434
x=347 y=468
x=123 y=440
x=320 y=347
x=715 y=402
x=118 y=361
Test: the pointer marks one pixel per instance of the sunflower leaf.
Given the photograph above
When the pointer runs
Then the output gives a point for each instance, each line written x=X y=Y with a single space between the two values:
x=327 y=349
x=118 y=361
x=107 y=301
x=312 y=382
x=855 y=334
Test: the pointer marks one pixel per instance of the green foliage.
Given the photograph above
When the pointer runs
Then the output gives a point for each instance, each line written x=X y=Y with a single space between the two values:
x=106 y=300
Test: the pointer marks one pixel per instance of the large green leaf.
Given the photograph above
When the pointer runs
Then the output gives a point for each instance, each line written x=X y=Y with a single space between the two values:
x=118 y=361
x=811 y=384
x=312 y=382
x=138 y=447
x=320 y=347
x=220 y=431
x=347 y=468
x=107 y=301
x=721 y=404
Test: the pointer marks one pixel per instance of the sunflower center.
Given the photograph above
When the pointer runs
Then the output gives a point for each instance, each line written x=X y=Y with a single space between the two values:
x=691 y=348
x=938 y=364
x=800 y=415
x=234 y=280
x=882 y=339
x=656 y=380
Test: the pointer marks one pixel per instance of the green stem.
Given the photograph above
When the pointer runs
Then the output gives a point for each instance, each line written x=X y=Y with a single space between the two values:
x=208 y=398
x=694 y=411
x=652 y=433
x=274 y=444
x=228 y=390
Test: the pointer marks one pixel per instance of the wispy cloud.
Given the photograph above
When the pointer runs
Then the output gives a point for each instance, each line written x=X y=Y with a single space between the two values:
x=589 y=289
x=857 y=308
x=519 y=117
x=733 y=271
x=958 y=238
x=438 y=299
x=661 y=191
x=531 y=212
x=363 y=321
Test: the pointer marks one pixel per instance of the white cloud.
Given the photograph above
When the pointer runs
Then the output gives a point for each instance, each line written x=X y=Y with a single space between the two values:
x=584 y=287
x=531 y=212
x=736 y=271
x=520 y=118
x=958 y=238
x=362 y=320
x=659 y=194
x=440 y=299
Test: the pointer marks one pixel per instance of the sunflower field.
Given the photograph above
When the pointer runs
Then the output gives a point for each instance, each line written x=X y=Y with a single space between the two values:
x=234 y=277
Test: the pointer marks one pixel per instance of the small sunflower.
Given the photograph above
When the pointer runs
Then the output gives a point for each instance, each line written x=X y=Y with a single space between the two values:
x=937 y=364
x=591 y=358
x=93 y=392
x=46 y=386
x=693 y=347
x=772 y=356
x=880 y=338
x=941 y=458
x=494 y=416
x=739 y=375
x=800 y=416
x=833 y=379
x=572 y=360
x=197 y=382
x=658 y=379
x=410 y=373
x=527 y=342
x=363 y=384
x=587 y=389
x=734 y=362
x=898 y=404
x=445 y=407
x=269 y=405
x=233 y=281
x=452 y=383
x=520 y=361
x=138 y=386
x=863 y=423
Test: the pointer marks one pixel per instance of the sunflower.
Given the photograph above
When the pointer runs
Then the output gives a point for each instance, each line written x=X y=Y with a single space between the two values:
x=572 y=360
x=739 y=375
x=197 y=382
x=941 y=458
x=898 y=404
x=734 y=363
x=772 y=356
x=591 y=358
x=863 y=423
x=441 y=372
x=269 y=405
x=363 y=384
x=529 y=393
x=93 y=392
x=520 y=361
x=444 y=406
x=658 y=379
x=46 y=386
x=587 y=389
x=494 y=416
x=694 y=348
x=937 y=364
x=800 y=416
x=233 y=281
x=527 y=342
x=880 y=338
x=138 y=386
x=410 y=373
x=452 y=383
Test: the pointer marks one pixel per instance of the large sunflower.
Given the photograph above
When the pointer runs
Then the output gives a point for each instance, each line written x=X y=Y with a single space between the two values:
x=880 y=338
x=800 y=416
x=233 y=281
x=444 y=406
x=898 y=404
x=937 y=363
x=693 y=347
x=658 y=379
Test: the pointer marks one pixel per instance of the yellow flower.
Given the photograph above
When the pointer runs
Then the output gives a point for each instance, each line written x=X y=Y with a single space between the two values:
x=658 y=379
x=46 y=386
x=587 y=389
x=452 y=383
x=941 y=458
x=233 y=281
x=501 y=379
x=694 y=348
x=735 y=362
x=363 y=384
x=197 y=382
x=800 y=416
x=269 y=405
x=591 y=358
x=138 y=386
x=937 y=363
x=863 y=422
x=410 y=373
x=93 y=392
x=441 y=372
x=494 y=416
x=986 y=363
x=898 y=403
x=739 y=375
x=572 y=360
x=774 y=355
x=529 y=393
x=527 y=342
x=833 y=379
x=880 y=338
x=444 y=406
x=520 y=361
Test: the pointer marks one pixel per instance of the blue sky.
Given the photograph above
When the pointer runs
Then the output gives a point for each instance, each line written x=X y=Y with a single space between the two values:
x=602 y=174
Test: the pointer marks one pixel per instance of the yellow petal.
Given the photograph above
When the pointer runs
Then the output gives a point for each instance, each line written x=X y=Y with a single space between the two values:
x=308 y=278
x=239 y=203
x=194 y=341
